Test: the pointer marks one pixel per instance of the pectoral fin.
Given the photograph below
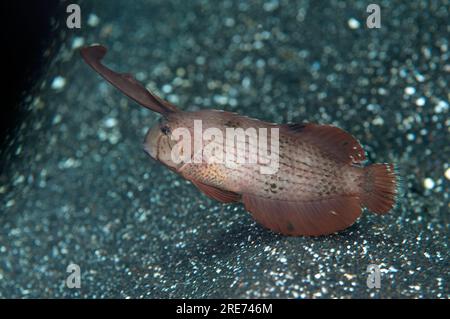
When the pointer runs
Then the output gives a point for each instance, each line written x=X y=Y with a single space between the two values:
x=218 y=194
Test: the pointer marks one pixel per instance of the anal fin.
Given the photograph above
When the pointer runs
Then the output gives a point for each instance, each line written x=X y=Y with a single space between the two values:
x=304 y=218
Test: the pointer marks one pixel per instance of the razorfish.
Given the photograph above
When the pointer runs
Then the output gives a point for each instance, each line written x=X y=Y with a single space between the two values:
x=311 y=180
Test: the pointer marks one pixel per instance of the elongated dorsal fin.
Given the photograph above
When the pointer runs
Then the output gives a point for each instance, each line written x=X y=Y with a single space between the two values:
x=329 y=139
x=125 y=82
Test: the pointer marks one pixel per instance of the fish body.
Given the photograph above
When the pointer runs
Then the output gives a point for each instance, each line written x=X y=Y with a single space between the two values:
x=311 y=181
x=305 y=170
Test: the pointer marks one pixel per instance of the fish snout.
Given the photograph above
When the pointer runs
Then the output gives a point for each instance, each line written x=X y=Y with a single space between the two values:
x=150 y=144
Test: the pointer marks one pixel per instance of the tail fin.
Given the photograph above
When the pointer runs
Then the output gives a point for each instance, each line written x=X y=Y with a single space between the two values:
x=380 y=187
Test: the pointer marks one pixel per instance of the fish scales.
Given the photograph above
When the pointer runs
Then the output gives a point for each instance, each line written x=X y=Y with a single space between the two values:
x=305 y=171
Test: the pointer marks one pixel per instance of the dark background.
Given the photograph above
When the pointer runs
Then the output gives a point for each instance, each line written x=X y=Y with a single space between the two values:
x=75 y=186
x=31 y=37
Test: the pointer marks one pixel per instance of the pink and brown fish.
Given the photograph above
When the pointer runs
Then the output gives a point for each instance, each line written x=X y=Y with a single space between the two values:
x=321 y=183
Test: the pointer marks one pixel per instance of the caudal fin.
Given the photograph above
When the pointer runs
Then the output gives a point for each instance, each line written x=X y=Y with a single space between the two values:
x=380 y=187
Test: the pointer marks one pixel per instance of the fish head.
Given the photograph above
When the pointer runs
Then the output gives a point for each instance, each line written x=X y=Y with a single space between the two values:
x=163 y=143
x=158 y=143
x=175 y=140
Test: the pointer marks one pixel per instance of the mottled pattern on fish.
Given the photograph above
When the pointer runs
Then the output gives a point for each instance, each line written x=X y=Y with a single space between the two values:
x=305 y=171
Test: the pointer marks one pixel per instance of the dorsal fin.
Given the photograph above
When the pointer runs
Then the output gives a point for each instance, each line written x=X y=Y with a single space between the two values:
x=125 y=82
x=329 y=139
x=221 y=195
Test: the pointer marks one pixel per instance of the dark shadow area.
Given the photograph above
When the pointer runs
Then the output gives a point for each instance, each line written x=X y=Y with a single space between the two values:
x=31 y=36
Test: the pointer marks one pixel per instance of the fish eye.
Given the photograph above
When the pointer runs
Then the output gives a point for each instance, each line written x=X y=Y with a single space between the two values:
x=165 y=129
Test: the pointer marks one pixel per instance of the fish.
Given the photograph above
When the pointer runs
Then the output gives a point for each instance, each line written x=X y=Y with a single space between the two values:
x=319 y=182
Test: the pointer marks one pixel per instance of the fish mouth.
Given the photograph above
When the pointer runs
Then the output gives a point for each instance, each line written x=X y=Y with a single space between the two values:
x=147 y=149
x=148 y=145
x=152 y=150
